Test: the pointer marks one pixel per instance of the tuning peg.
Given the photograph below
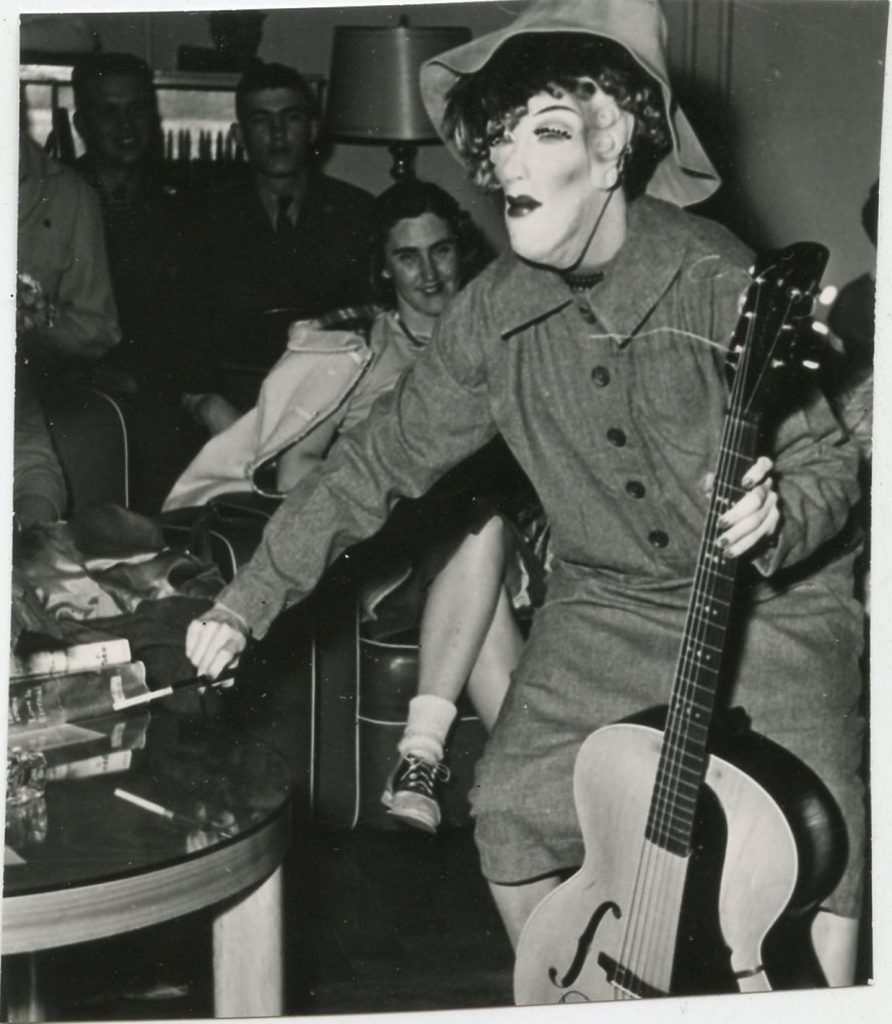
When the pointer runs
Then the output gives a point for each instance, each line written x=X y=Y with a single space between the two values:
x=828 y=295
x=820 y=328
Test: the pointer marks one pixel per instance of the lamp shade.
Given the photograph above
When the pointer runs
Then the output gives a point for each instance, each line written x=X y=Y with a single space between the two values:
x=373 y=91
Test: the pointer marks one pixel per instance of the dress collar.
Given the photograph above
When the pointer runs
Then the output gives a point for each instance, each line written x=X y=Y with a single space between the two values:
x=634 y=281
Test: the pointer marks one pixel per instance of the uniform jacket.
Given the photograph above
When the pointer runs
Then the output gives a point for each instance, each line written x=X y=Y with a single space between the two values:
x=61 y=244
x=247 y=285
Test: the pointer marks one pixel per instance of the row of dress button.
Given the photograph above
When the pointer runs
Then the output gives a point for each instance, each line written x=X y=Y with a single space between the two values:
x=617 y=437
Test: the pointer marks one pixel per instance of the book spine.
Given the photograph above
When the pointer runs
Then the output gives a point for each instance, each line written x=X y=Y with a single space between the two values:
x=50 y=700
x=77 y=658
x=89 y=767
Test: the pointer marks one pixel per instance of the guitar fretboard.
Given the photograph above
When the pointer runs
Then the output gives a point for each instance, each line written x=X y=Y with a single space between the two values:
x=684 y=756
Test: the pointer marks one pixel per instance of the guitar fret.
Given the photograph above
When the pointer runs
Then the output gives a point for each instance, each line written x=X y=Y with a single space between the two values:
x=690 y=711
x=701 y=650
x=681 y=781
x=688 y=775
x=697 y=683
x=690 y=676
x=680 y=848
x=685 y=803
x=689 y=719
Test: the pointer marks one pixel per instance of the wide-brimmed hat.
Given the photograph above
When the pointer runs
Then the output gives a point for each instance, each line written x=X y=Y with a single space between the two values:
x=685 y=175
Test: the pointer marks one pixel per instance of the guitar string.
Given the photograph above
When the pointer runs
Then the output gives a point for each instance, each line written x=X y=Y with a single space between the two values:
x=714 y=578
x=640 y=938
x=729 y=452
x=656 y=942
x=730 y=461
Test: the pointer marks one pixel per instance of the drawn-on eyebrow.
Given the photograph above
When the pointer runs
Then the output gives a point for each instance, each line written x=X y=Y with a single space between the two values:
x=553 y=106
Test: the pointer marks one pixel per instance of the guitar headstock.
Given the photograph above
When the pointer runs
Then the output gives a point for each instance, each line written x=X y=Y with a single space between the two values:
x=774 y=336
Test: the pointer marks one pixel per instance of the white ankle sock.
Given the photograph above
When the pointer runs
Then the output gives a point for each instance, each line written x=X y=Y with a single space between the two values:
x=430 y=718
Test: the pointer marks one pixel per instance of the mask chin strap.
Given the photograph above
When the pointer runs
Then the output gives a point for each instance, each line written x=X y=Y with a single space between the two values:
x=615 y=187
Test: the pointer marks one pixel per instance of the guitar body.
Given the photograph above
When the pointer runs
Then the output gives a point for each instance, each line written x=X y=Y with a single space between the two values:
x=754 y=857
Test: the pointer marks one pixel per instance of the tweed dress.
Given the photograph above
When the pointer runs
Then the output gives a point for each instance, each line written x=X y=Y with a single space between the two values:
x=612 y=402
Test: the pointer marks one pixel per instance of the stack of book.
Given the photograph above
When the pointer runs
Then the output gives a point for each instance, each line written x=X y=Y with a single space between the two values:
x=63 y=703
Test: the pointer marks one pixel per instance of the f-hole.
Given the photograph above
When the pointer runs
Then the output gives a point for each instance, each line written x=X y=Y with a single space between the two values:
x=584 y=945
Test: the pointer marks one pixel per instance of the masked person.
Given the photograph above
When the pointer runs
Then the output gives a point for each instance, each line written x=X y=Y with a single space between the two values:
x=596 y=348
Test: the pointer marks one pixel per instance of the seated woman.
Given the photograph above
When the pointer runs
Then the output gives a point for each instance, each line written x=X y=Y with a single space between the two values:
x=334 y=368
x=331 y=373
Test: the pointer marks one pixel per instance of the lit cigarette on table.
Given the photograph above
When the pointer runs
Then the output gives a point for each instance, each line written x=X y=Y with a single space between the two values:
x=169 y=815
x=146 y=805
x=144 y=698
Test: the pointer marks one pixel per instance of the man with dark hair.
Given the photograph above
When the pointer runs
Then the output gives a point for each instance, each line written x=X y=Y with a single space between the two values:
x=116 y=115
x=289 y=243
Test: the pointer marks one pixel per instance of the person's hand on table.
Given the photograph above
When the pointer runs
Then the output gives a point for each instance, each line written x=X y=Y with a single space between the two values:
x=214 y=641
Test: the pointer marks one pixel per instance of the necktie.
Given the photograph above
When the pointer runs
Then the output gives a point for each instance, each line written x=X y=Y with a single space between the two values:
x=284 y=226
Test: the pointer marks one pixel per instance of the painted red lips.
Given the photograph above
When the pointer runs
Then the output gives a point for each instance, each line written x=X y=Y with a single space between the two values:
x=520 y=206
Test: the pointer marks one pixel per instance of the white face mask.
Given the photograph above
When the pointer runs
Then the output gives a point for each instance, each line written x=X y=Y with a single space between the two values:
x=555 y=166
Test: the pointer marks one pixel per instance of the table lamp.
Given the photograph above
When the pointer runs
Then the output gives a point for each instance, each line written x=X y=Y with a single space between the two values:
x=373 y=92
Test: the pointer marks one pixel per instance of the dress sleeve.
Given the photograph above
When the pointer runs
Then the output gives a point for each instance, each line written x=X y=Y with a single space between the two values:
x=437 y=415
x=815 y=465
x=816 y=468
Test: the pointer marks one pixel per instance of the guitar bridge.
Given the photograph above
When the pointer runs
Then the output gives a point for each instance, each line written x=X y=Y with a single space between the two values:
x=626 y=981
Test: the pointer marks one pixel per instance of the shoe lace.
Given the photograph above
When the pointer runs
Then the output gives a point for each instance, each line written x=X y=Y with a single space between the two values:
x=421 y=776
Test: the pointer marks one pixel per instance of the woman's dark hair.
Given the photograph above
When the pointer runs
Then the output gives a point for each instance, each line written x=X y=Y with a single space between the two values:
x=409 y=199
x=482 y=105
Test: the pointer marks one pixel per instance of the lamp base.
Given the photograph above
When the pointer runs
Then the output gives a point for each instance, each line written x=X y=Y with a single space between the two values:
x=403 y=154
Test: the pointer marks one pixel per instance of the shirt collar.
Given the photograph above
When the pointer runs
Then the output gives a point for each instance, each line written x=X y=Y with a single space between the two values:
x=634 y=281
x=270 y=200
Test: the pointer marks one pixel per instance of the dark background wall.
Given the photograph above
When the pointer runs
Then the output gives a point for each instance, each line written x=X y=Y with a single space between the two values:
x=787 y=95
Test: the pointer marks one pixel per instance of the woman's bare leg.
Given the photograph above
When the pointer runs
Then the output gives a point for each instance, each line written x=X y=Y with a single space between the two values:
x=460 y=609
x=515 y=903
x=835 y=940
x=467 y=633
x=491 y=675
